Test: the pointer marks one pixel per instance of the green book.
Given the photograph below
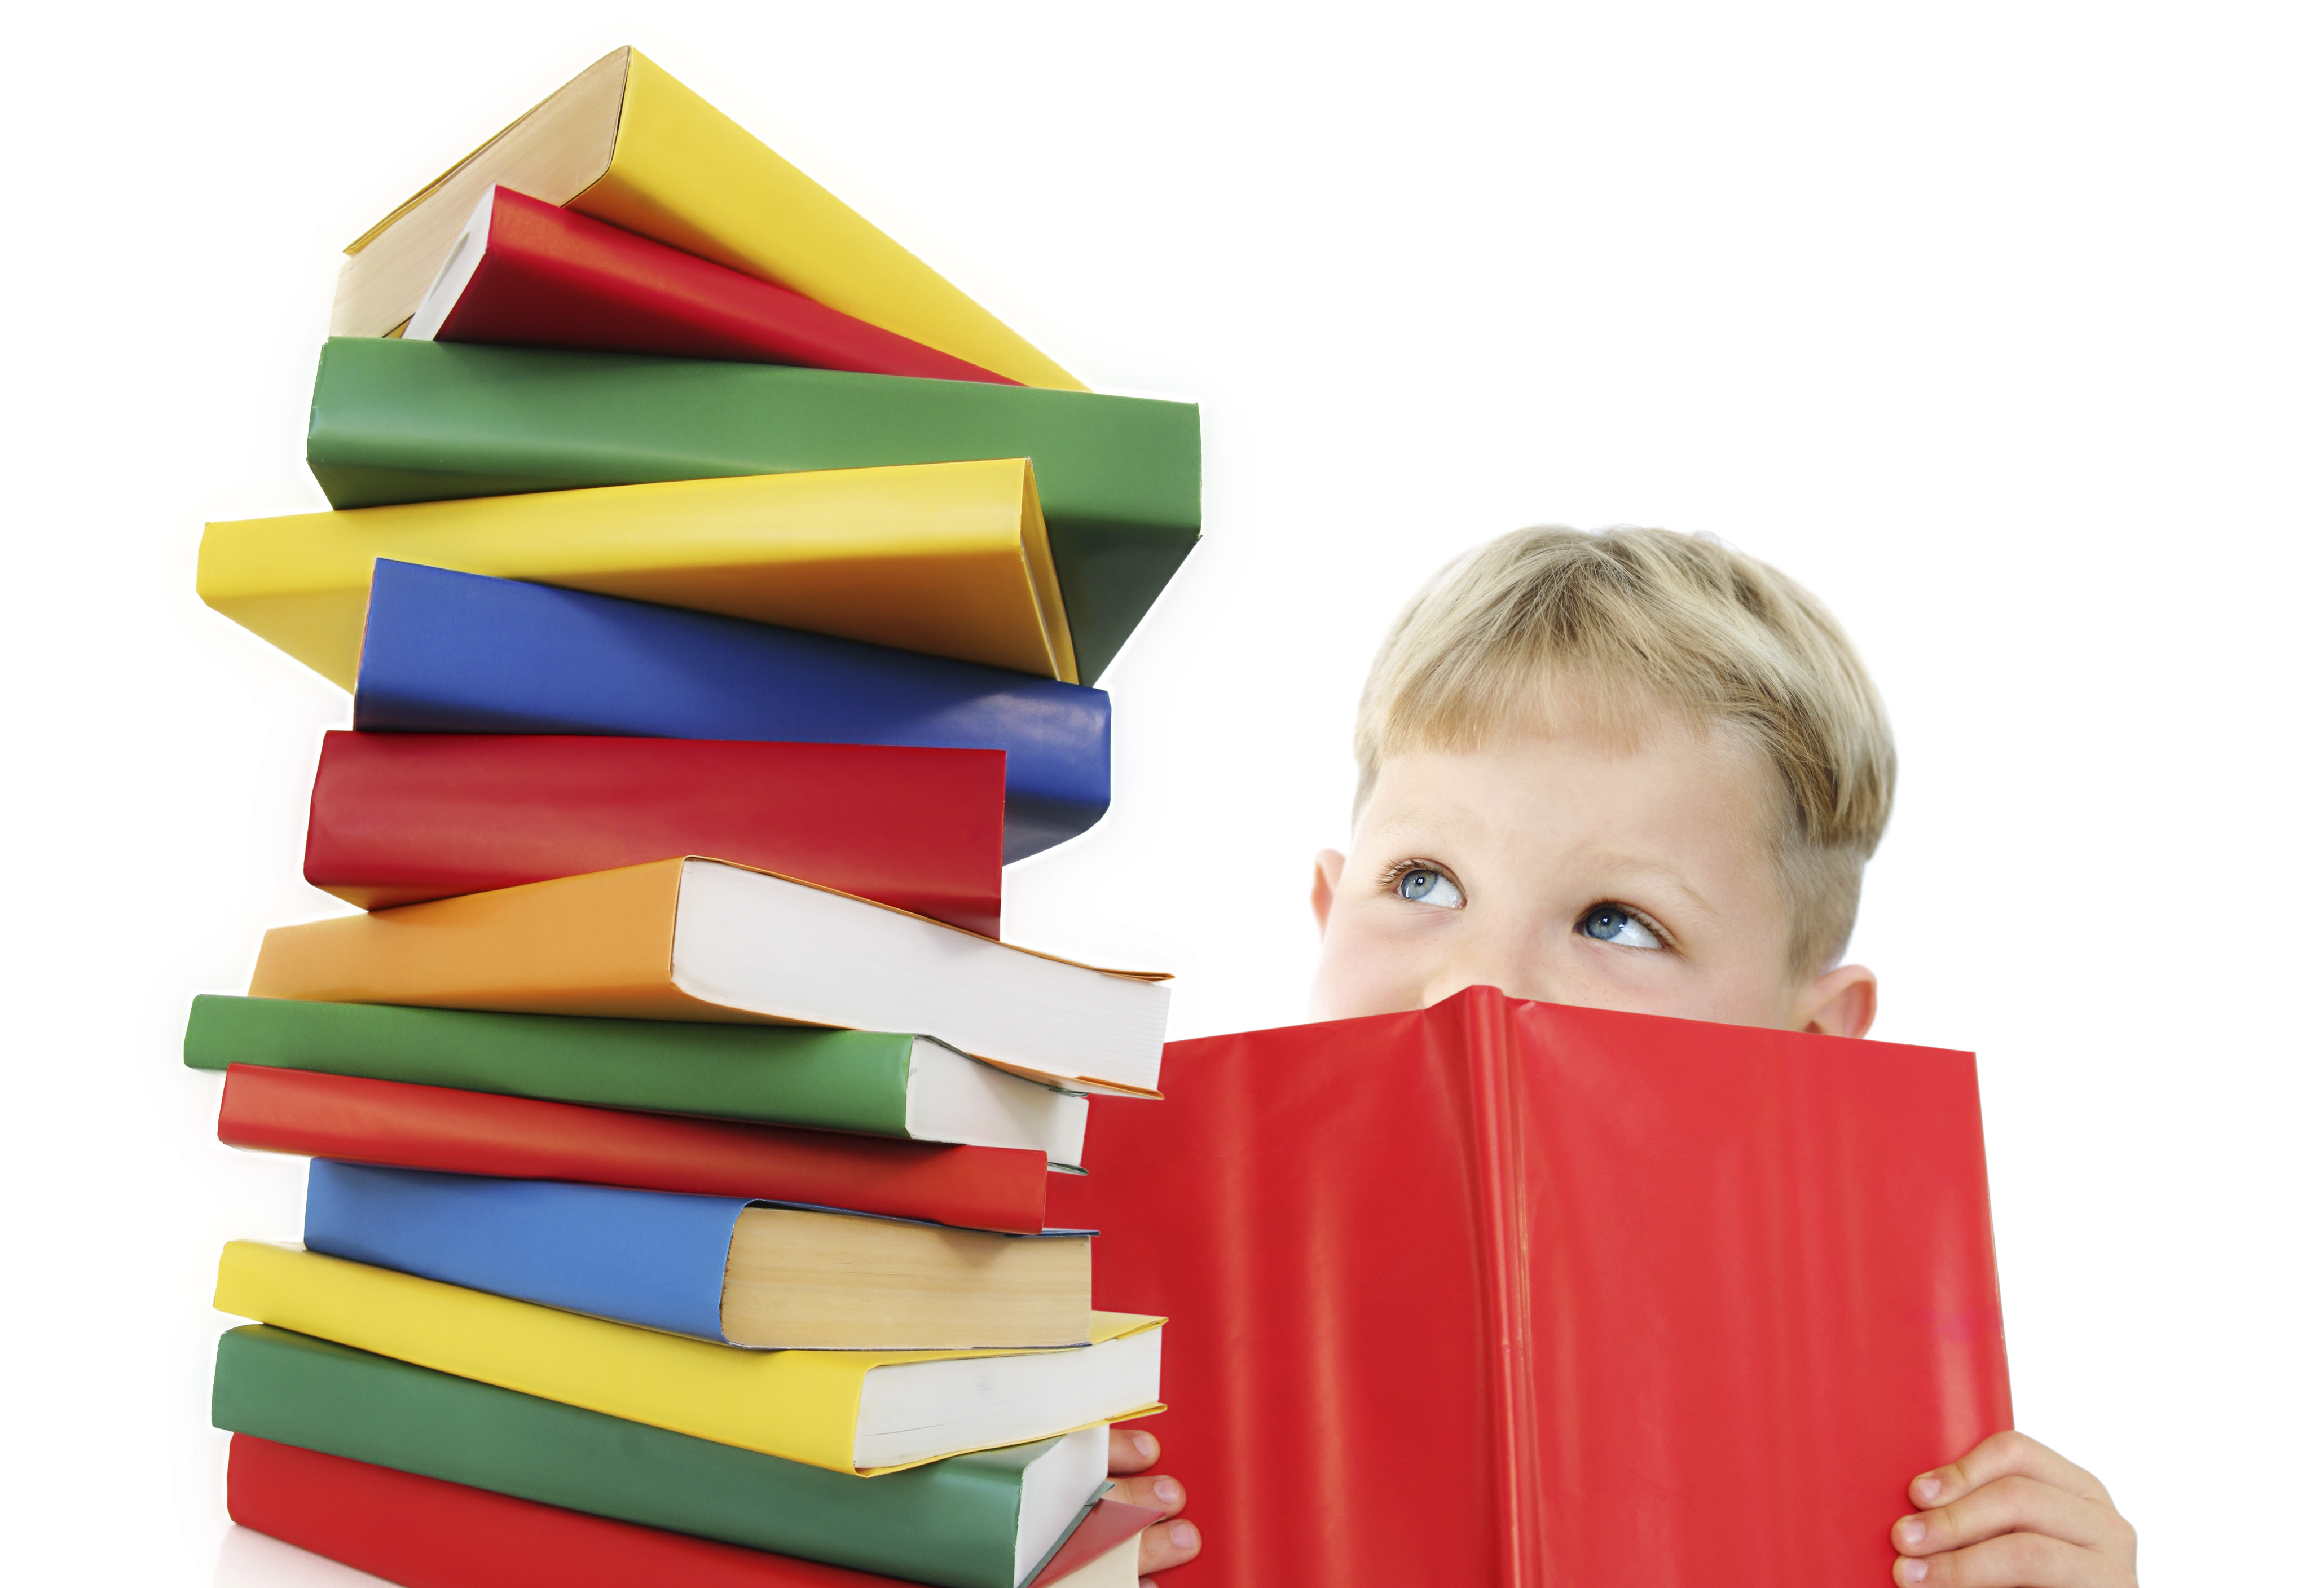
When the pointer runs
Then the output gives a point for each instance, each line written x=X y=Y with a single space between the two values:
x=872 y=1082
x=1120 y=477
x=985 y=1521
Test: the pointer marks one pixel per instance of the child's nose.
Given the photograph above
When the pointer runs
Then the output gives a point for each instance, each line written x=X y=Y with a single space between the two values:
x=1514 y=973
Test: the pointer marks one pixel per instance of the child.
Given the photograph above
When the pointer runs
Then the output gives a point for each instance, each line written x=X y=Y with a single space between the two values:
x=1636 y=770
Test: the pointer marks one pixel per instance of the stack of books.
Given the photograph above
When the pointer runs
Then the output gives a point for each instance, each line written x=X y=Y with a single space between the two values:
x=718 y=588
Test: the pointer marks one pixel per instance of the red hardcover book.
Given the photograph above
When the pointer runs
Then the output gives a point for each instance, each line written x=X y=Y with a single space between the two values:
x=398 y=818
x=427 y=1533
x=408 y=1126
x=1515 y=1294
x=528 y=273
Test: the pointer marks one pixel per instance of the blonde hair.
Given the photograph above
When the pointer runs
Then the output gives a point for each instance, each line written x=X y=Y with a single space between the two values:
x=1645 y=620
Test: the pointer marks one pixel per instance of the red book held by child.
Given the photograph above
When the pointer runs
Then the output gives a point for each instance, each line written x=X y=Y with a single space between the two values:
x=1531 y=1296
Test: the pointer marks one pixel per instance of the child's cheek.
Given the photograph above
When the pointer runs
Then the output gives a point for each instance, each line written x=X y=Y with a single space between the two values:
x=1369 y=967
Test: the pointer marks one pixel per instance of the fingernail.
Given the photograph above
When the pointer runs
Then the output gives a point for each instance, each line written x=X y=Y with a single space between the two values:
x=1168 y=1491
x=1915 y=1570
x=1146 y=1444
x=1927 y=1487
x=1913 y=1529
x=1184 y=1535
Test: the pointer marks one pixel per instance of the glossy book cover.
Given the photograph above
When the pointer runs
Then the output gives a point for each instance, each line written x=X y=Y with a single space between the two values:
x=1517 y=1294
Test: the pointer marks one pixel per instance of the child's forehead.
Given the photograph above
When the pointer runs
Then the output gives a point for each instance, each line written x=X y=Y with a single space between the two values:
x=1565 y=717
x=1674 y=776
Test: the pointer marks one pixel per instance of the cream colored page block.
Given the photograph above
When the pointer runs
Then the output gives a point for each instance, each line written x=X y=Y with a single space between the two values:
x=799 y=1279
x=551 y=152
x=1116 y=1568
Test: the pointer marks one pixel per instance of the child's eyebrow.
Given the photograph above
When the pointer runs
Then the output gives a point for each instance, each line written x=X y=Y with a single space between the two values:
x=1646 y=868
x=1403 y=816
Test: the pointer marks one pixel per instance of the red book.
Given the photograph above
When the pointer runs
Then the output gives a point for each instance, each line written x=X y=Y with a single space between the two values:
x=1515 y=1294
x=531 y=274
x=398 y=818
x=407 y=1126
x=427 y=1533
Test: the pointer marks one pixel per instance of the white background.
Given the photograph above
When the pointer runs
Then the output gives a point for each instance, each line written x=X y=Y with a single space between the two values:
x=1997 y=325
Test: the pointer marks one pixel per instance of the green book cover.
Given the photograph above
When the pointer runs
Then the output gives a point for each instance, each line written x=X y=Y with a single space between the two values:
x=1120 y=477
x=954 y=1523
x=847 y=1080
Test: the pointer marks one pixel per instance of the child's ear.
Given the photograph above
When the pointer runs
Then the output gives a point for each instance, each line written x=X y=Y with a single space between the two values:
x=1328 y=867
x=1838 y=1003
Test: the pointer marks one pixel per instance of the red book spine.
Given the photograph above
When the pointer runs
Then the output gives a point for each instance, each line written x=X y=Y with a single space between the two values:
x=554 y=278
x=394 y=1123
x=1545 y=1296
x=428 y=1533
x=398 y=818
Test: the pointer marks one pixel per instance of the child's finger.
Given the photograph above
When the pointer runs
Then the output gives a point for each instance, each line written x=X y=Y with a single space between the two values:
x=2011 y=1505
x=2014 y=1560
x=2008 y=1454
x=1130 y=1450
x=1166 y=1545
x=1166 y=1495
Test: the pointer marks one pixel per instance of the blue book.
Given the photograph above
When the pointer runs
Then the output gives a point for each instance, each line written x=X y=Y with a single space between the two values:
x=446 y=652
x=769 y=1275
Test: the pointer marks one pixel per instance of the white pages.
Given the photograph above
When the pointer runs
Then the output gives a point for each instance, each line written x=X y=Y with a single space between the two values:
x=751 y=941
x=918 y=1410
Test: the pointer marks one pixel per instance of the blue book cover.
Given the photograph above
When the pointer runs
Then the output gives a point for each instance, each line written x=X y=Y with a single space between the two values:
x=653 y=1258
x=446 y=652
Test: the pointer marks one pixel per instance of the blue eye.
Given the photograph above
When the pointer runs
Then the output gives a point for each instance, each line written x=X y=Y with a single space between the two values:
x=1611 y=923
x=1424 y=886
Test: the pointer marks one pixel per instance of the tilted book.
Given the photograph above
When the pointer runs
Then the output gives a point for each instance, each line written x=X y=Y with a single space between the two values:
x=729 y=1269
x=317 y=1115
x=693 y=938
x=982 y=1520
x=401 y=818
x=426 y=1533
x=943 y=559
x=1522 y=1295
x=630 y=144
x=877 y=1083
x=446 y=652
x=850 y=1411
x=528 y=274
x=1120 y=477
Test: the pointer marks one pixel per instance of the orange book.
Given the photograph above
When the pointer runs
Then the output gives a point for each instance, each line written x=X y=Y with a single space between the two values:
x=702 y=939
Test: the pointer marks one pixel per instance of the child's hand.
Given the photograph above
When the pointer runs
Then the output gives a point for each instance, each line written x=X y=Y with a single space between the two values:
x=1166 y=1544
x=2013 y=1514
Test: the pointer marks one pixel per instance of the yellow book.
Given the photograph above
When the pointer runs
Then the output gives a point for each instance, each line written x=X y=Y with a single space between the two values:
x=702 y=939
x=627 y=143
x=951 y=559
x=849 y=1411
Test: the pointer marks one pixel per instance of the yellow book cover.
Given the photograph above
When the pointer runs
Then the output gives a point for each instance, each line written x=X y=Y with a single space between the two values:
x=627 y=143
x=949 y=559
x=701 y=940
x=802 y=1406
